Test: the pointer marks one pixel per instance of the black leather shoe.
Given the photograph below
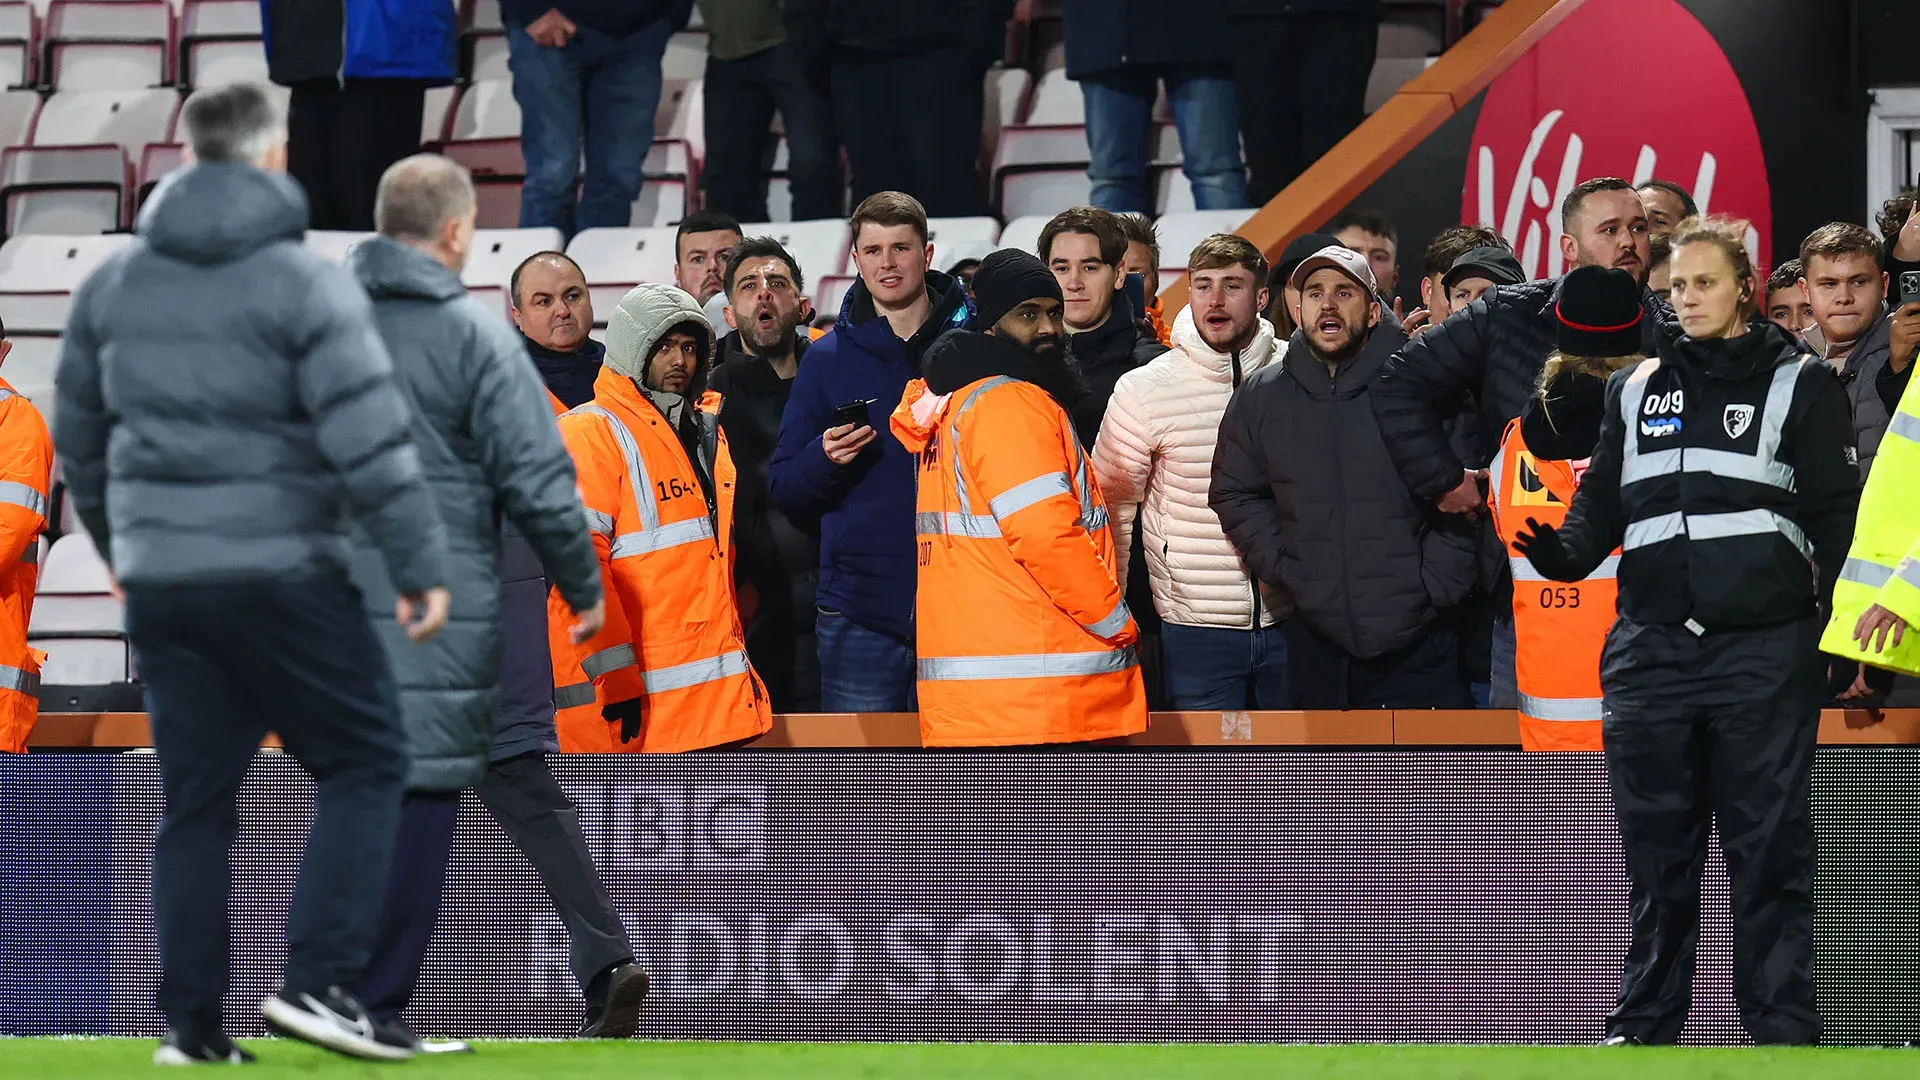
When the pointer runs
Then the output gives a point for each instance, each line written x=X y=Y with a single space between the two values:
x=614 y=1012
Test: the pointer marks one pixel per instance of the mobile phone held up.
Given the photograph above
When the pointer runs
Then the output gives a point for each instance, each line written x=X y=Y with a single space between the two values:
x=1909 y=286
x=853 y=412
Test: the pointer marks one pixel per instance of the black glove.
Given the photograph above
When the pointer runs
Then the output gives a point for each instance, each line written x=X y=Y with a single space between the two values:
x=1541 y=546
x=627 y=715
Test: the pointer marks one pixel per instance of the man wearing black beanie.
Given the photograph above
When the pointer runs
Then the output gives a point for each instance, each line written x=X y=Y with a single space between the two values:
x=1022 y=634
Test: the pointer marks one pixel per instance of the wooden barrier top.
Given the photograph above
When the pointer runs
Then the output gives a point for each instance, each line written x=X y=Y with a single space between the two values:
x=1484 y=728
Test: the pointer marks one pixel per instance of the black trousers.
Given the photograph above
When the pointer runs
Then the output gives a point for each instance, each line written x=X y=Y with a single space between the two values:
x=523 y=796
x=221 y=663
x=1301 y=83
x=1731 y=744
x=742 y=96
x=1426 y=674
x=342 y=137
x=911 y=122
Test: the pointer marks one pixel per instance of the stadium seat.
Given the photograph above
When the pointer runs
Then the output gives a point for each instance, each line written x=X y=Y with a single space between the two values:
x=156 y=161
x=820 y=246
x=1024 y=232
x=17 y=45
x=661 y=202
x=1172 y=194
x=30 y=367
x=681 y=116
x=484 y=135
x=1042 y=190
x=63 y=190
x=1007 y=90
x=1180 y=232
x=82 y=628
x=108 y=44
x=489 y=57
x=18 y=109
x=39 y=273
x=830 y=292
x=220 y=43
x=333 y=246
x=131 y=118
x=484 y=15
x=779 y=199
x=686 y=56
x=615 y=260
x=1389 y=74
x=1048 y=144
x=497 y=251
x=437 y=116
x=1056 y=100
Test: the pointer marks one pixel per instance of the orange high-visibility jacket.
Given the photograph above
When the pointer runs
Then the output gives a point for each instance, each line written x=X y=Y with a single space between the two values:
x=26 y=474
x=1022 y=632
x=1559 y=628
x=676 y=642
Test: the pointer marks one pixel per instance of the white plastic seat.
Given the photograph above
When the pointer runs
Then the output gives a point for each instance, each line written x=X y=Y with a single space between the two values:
x=62 y=190
x=16 y=45
x=132 y=118
x=661 y=202
x=686 y=55
x=18 y=108
x=108 y=44
x=615 y=260
x=486 y=15
x=1389 y=74
x=830 y=292
x=436 y=115
x=1180 y=232
x=820 y=246
x=76 y=620
x=333 y=245
x=497 y=251
x=779 y=199
x=1007 y=90
x=1172 y=194
x=220 y=43
x=487 y=110
x=490 y=58
x=1024 y=232
x=38 y=275
x=1044 y=191
x=682 y=115
x=224 y=63
x=31 y=362
x=497 y=202
x=1059 y=144
x=1056 y=100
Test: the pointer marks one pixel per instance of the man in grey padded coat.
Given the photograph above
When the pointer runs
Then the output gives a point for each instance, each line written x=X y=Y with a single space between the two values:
x=489 y=448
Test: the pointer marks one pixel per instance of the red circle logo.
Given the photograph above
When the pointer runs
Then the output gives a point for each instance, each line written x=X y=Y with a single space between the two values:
x=1628 y=88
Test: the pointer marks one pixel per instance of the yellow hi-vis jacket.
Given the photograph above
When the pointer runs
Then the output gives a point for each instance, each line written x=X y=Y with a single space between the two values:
x=1884 y=566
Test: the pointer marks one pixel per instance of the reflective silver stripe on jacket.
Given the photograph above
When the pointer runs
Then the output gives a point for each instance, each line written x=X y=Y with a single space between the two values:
x=1115 y=621
x=646 y=541
x=1026 y=666
x=13 y=678
x=1654 y=530
x=1760 y=467
x=1523 y=570
x=574 y=696
x=1560 y=709
x=1865 y=572
x=949 y=523
x=960 y=477
x=681 y=676
x=637 y=477
x=1022 y=495
x=1905 y=425
x=598 y=523
x=612 y=658
x=1095 y=518
x=19 y=494
x=1747 y=523
x=1909 y=572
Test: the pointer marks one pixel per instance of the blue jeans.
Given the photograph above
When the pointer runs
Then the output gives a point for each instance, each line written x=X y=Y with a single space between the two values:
x=1505 y=692
x=862 y=670
x=603 y=89
x=1119 y=108
x=1208 y=668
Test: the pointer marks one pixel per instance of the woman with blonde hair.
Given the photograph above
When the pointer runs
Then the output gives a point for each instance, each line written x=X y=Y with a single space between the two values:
x=1723 y=475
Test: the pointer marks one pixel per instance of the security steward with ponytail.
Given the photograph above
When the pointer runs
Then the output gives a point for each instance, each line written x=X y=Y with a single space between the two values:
x=1723 y=469
x=1559 y=628
x=1022 y=635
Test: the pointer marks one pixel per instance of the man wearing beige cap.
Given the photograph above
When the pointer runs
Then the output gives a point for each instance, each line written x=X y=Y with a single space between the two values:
x=1307 y=493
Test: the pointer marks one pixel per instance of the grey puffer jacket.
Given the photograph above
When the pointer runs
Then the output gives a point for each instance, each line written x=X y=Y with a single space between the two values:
x=489 y=446
x=1859 y=374
x=1307 y=493
x=225 y=404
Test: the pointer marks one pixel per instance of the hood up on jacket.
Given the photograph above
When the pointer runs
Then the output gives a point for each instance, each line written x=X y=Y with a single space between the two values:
x=1232 y=367
x=645 y=315
x=213 y=213
x=388 y=269
x=963 y=357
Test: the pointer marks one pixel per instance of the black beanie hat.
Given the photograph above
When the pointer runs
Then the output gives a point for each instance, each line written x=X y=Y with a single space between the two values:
x=1006 y=279
x=1599 y=312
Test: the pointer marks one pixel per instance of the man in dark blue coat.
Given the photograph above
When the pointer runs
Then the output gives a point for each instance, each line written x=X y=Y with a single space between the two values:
x=855 y=477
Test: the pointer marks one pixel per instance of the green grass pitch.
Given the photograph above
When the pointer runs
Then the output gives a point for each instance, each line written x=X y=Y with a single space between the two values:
x=31 y=1059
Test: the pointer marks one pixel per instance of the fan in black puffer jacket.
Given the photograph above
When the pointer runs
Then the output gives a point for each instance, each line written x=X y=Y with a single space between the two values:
x=1493 y=350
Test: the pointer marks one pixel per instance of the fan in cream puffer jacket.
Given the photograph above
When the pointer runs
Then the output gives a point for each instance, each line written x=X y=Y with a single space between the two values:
x=1154 y=461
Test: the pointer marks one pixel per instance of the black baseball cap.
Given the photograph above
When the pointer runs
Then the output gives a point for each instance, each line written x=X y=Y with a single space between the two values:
x=1496 y=264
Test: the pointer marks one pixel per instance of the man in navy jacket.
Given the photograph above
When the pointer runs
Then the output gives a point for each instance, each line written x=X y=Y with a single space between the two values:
x=856 y=478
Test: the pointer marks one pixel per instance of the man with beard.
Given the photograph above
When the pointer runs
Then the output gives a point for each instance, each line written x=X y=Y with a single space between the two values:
x=1306 y=491
x=1022 y=634
x=1492 y=351
x=700 y=249
x=554 y=311
x=779 y=556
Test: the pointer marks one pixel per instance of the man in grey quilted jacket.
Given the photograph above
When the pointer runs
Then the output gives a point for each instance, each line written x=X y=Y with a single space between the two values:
x=490 y=448
x=225 y=411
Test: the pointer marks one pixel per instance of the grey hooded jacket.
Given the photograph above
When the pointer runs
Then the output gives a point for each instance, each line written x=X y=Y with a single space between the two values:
x=489 y=446
x=225 y=405
x=1861 y=371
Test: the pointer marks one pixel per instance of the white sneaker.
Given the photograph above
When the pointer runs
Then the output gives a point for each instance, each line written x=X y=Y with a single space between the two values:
x=336 y=1022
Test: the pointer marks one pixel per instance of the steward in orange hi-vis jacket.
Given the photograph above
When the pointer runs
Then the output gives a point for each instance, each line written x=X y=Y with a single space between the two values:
x=1022 y=633
x=669 y=670
x=26 y=466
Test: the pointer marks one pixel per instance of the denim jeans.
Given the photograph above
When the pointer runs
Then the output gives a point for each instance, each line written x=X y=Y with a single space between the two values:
x=1505 y=692
x=862 y=670
x=605 y=90
x=1119 y=106
x=1209 y=667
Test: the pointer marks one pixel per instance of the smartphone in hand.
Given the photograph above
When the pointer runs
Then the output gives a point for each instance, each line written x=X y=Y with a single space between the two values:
x=854 y=413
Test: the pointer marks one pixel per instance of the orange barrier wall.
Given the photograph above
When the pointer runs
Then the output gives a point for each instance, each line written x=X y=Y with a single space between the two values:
x=1412 y=114
x=1492 y=728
